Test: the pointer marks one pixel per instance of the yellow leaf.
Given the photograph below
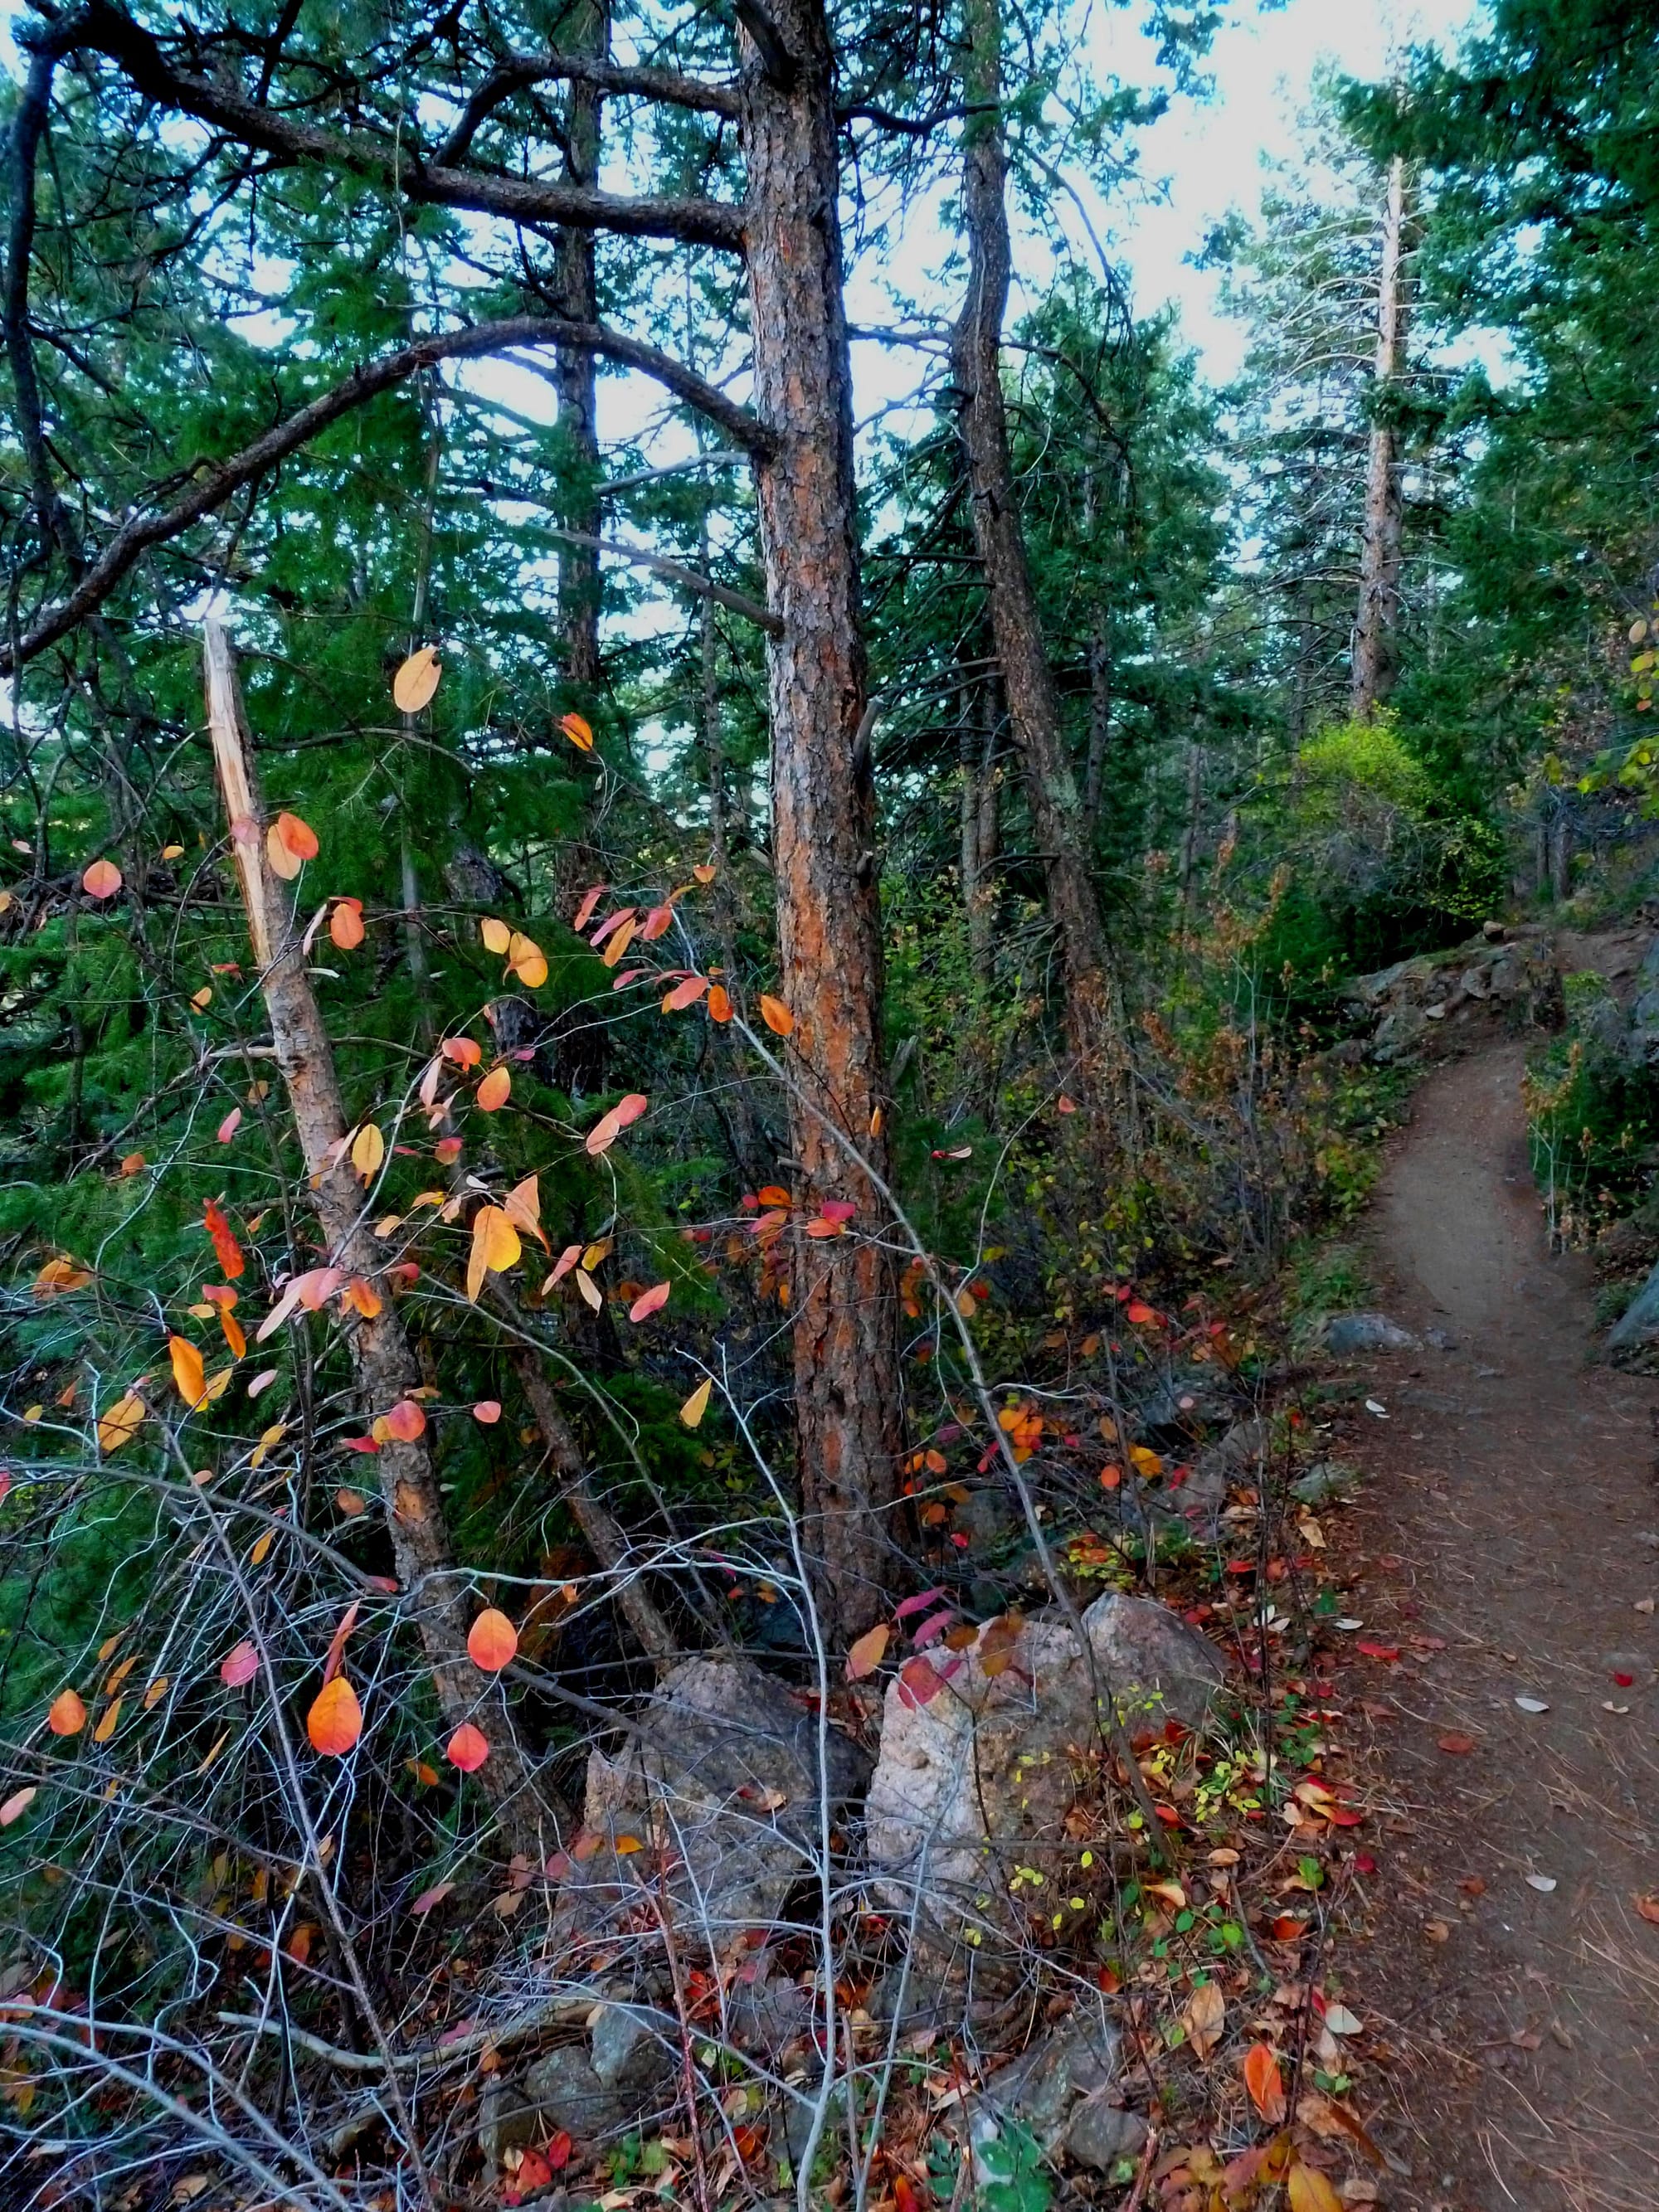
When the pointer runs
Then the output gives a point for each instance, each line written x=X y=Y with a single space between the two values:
x=214 y=1752
x=525 y=959
x=105 y=1727
x=202 y=1000
x=284 y=860
x=187 y=1371
x=696 y=1404
x=496 y=935
x=496 y=1247
x=413 y=686
x=262 y=1548
x=155 y=1691
x=367 y=1150
x=1310 y=2191
x=1146 y=1463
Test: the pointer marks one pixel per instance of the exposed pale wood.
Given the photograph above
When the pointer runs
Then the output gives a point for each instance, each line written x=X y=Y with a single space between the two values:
x=384 y=1364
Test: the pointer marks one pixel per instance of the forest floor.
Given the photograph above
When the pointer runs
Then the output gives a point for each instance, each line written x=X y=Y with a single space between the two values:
x=1508 y=1534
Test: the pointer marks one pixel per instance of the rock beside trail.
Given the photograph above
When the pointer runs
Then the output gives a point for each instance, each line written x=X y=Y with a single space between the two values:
x=1326 y=1482
x=723 y=1780
x=972 y=1788
x=1427 y=1005
x=1064 y=2090
x=1348 y=1334
x=1639 y=1322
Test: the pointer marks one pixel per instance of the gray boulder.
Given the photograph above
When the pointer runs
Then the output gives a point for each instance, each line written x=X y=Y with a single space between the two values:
x=1100 y=2134
x=1326 y=1482
x=563 y=2091
x=965 y=1821
x=1345 y=1334
x=722 y=1782
x=1639 y=1322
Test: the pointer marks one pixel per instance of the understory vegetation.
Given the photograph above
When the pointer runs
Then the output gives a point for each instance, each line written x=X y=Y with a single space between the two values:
x=679 y=1071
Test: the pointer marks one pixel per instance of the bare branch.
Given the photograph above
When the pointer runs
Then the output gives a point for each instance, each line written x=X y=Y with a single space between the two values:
x=524 y=70
x=221 y=480
x=100 y=28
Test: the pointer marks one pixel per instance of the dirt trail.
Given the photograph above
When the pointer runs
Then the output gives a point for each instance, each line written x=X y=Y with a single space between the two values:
x=1512 y=1514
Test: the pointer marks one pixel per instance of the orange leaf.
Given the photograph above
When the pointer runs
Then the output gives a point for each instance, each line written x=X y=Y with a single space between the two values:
x=416 y=680
x=492 y=1642
x=866 y=1655
x=101 y=880
x=606 y=1130
x=577 y=730
x=775 y=1015
x=719 y=1003
x=345 y=923
x=462 y=1050
x=336 y=1643
x=1263 y=2081
x=589 y=906
x=494 y=1090
x=685 y=995
x=468 y=1748
x=227 y=1251
x=650 y=1302
x=336 y=1719
x=187 y=1371
x=405 y=1421
x=299 y=836
x=66 y=1715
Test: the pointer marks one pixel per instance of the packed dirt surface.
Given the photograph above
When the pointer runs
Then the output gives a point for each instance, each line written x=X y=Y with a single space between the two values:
x=1508 y=1524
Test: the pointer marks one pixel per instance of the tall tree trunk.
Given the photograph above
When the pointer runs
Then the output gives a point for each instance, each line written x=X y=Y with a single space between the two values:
x=586 y=30
x=382 y=1363
x=848 y=1423
x=1057 y=813
x=1375 y=631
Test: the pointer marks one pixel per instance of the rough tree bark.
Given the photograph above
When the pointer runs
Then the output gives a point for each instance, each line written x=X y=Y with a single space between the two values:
x=1376 y=630
x=383 y=1363
x=824 y=835
x=586 y=32
x=1057 y=809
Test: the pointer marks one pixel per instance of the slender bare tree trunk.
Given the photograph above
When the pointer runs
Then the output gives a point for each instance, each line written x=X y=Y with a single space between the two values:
x=1100 y=726
x=848 y=1423
x=586 y=30
x=1057 y=811
x=1376 y=630
x=382 y=1363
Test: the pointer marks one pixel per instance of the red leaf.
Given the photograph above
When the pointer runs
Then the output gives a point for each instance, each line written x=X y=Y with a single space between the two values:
x=920 y=1682
x=1263 y=2081
x=338 y=1642
x=650 y=1302
x=468 y=1748
x=230 y=1125
x=1387 y=1652
x=488 y=1411
x=1456 y=1743
x=239 y=1666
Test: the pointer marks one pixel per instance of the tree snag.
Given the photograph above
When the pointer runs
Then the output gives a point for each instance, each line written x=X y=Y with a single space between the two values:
x=385 y=1367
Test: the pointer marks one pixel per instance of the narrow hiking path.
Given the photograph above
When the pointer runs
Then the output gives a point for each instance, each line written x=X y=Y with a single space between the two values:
x=1509 y=1526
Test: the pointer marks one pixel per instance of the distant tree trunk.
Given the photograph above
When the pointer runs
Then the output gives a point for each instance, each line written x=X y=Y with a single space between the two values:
x=735 y=1101
x=1100 y=725
x=1057 y=811
x=848 y=1424
x=1561 y=856
x=1375 y=633
x=586 y=30
x=384 y=1364
x=977 y=821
